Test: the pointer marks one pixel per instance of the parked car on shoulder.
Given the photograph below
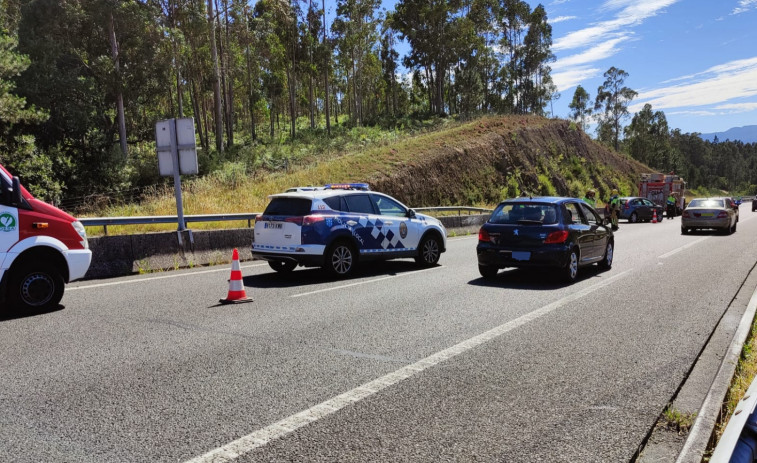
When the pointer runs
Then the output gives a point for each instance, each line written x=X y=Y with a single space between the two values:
x=709 y=213
x=754 y=204
x=637 y=209
x=563 y=234
x=338 y=226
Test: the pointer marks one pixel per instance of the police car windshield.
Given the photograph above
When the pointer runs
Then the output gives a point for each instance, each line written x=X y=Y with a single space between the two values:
x=525 y=214
x=288 y=206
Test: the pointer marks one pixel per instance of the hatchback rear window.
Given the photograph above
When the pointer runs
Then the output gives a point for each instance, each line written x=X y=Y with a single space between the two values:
x=706 y=203
x=524 y=214
x=288 y=206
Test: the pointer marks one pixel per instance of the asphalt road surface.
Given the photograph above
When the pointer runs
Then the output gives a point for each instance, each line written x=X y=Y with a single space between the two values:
x=395 y=364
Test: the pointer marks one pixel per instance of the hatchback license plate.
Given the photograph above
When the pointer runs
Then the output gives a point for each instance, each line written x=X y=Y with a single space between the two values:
x=521 y=255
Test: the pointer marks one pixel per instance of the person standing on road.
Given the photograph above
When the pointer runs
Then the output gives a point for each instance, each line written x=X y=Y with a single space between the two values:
x=671 y=205
x=614 y=208
x=590 y=198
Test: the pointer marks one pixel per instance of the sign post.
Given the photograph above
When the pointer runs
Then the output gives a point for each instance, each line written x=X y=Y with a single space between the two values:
x=177 y=154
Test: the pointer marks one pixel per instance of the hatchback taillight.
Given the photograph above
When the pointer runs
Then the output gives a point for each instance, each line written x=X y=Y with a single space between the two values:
x=686 y=215
x=556 y=237
x=483 y=236
x=722 y=215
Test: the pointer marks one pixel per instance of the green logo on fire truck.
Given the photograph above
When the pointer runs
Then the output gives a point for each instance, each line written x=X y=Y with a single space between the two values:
x=7 y=222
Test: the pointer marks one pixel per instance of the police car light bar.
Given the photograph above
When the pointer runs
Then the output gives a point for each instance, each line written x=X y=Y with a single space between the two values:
x=348 y=186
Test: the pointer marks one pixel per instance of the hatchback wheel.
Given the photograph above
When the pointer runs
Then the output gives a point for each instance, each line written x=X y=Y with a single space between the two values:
x=340 y=259
x=634 y=218
x=429 y=251
x=570 y=271
x=282 y=266
x=684 y=231
x=606 y=262
x=487 y=271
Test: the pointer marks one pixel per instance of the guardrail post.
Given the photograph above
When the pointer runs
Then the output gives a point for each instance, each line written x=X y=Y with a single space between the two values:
x=105 y=230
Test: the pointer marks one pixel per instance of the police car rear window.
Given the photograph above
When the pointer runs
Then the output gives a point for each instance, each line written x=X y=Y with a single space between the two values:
x=288 y=206
x=525 y=213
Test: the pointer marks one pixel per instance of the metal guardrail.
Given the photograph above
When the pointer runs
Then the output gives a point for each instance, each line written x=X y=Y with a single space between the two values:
x=144 y=220
x=249 y=217
x=739 y=439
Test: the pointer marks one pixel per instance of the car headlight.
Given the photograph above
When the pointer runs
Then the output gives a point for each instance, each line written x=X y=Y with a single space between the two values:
x=82 y=232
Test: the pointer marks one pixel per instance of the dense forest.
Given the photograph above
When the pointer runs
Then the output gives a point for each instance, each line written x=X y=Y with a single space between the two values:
x=82 y=83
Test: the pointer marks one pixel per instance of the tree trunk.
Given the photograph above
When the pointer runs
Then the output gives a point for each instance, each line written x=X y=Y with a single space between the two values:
x=119 y=92
x=216 y=79
x=229 y=79
x=326 y=73
x=196 y=106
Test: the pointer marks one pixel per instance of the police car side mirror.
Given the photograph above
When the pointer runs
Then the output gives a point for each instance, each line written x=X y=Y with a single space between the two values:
x=410 y=214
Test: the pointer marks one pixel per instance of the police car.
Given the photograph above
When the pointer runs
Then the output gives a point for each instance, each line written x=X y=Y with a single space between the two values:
x=340 y=225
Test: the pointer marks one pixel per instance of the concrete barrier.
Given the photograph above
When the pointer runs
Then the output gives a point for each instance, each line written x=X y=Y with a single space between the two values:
x=114 y=256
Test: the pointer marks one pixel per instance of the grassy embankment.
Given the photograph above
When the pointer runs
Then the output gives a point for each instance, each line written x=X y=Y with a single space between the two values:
x=476 y=163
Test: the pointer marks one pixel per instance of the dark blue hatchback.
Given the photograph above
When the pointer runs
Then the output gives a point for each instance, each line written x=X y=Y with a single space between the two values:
x=559 y=233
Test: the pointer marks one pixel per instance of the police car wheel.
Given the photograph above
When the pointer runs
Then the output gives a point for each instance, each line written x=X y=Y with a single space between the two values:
x=340 y=259
x=429 y=251
x=282 y=266
x=36 y=287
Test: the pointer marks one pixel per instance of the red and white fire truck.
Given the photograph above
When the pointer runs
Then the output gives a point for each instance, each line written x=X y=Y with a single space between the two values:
x=41 y=249
x=657 y=187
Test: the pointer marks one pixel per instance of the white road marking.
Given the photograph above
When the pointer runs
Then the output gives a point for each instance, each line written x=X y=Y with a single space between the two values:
x=685 y=246
x=259 y=438
x=362 y=282
x=139 y=280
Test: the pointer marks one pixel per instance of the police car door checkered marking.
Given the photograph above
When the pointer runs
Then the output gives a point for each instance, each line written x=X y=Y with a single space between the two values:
x=375 y=232
x=363 y=221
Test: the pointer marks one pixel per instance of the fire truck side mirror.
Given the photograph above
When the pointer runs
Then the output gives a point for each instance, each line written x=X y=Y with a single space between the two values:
x=16 y=199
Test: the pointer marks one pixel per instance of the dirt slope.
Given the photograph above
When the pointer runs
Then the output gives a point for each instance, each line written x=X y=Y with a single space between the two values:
x=498 y=157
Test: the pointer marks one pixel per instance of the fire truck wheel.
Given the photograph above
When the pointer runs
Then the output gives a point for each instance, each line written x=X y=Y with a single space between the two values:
x=36 y=287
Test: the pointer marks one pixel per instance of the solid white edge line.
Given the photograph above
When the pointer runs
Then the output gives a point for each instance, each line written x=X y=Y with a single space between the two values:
x=685 y=246
x=309 y=293
x=162 y=277
x=259 y=438
x=710 y=409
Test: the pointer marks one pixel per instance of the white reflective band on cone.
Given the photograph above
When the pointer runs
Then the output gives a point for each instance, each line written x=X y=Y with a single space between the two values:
x=236 y=285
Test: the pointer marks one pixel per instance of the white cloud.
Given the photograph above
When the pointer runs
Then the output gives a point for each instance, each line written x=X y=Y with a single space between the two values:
x=732 y=81
x=693 y=113
x=632 y=13
x=560 y=19
x=738 y=107
x=598 y=52
x=568 y=79
x=744 y=6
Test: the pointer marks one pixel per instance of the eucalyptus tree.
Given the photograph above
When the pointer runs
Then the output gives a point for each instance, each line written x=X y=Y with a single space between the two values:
x=647 y=138
x=512 y=20
x=428 y=26
x=537 y=87
x=579 y=107
x=612 y=99
x=356 y=33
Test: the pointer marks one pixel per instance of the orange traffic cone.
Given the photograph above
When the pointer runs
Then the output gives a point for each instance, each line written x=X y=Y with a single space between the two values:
x=236 y=287
x=654 y=216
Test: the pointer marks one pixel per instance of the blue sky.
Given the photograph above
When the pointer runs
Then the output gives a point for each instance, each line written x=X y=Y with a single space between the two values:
x=695 y=60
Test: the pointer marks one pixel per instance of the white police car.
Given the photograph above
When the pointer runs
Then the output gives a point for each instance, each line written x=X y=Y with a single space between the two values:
x=340 y=225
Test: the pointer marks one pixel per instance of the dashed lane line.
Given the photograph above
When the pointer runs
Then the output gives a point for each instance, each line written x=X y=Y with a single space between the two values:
x=685 y=246
x=375 y=280
x=162 y=277
x=254 y=440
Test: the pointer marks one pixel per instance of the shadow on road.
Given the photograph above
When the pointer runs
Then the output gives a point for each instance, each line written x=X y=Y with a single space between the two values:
x=316 y=275
x=12 y=314
x=534 y=279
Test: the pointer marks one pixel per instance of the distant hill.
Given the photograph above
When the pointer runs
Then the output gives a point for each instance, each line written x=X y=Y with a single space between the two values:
x=746 y=134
